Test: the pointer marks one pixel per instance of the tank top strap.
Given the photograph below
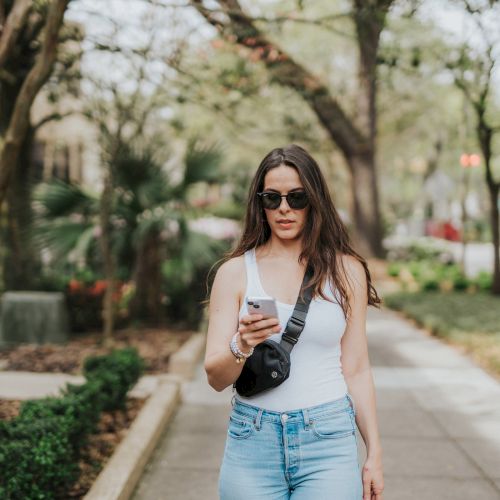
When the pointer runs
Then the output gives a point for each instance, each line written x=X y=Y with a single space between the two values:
x=253 y=282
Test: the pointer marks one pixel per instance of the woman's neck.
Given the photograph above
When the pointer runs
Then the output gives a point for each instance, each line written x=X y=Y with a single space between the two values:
x=277 y=247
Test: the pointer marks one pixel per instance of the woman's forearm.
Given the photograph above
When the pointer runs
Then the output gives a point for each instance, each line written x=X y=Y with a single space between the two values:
x=362 y=390
x=222 y=369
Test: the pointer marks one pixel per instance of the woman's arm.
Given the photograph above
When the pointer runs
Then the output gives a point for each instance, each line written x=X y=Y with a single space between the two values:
x=220 y=364
x=227 y=292
x=358 y=376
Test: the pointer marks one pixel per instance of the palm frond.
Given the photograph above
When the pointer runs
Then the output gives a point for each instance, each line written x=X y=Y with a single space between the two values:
x=198 y=251
x=202 y=249
x=161 y=218
x=151 y=194
x=58 y=198
x=203 y=162
x=84 y=243
x=140 y=180
x=60 y=236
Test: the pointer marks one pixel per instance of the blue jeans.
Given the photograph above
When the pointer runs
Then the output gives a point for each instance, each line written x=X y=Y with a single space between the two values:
x=306 y=454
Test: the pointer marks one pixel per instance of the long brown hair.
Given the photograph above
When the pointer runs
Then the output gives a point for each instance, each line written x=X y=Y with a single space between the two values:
x=324 y=236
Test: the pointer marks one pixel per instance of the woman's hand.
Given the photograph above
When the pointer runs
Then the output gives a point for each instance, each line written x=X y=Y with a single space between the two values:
x=254 y=330
x=373 y=480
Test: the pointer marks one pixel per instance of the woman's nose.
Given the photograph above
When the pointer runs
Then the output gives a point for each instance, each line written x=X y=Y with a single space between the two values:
x=284 y=206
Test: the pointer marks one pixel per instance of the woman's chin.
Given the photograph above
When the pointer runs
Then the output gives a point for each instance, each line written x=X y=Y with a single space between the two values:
x=287 y=235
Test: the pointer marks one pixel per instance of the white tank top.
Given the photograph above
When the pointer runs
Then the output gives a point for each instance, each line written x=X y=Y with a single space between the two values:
x=316 y=373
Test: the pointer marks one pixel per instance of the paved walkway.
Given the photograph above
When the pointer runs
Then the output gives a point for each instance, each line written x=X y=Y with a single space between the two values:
x=439 y=418
x=33 y=385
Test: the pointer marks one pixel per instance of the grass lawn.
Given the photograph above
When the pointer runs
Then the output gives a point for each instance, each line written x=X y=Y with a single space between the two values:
x=468 y=320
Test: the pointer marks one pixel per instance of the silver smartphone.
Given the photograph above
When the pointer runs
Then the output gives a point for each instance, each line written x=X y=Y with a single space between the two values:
x=262 y=305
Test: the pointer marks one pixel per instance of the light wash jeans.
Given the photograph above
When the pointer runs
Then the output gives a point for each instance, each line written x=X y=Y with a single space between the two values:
x=306 y=454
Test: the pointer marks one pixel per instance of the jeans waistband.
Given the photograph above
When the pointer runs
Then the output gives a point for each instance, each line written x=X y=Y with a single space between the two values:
x=301 y=415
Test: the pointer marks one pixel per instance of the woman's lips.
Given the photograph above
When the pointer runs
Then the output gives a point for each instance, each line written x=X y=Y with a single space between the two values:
x=285 y=224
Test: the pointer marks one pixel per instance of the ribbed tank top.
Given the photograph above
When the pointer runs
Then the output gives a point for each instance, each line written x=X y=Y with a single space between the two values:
x=316 y=373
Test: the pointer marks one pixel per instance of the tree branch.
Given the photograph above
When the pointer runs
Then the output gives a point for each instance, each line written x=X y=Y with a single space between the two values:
x=7 y=77
x=284 y=70
x=322 y=22
x=52 y=117
x=13 y=26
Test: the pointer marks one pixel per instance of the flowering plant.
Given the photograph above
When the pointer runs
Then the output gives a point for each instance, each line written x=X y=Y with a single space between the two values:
x=85 y=302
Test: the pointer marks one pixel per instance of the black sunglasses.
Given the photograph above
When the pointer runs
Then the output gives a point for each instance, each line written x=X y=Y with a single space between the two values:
x=295 y=199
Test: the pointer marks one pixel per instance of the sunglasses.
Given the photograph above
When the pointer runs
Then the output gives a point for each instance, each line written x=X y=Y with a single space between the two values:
x=295 y=199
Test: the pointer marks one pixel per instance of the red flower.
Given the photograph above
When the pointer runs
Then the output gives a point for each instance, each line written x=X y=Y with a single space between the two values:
x=98 y=287
x=74 y=285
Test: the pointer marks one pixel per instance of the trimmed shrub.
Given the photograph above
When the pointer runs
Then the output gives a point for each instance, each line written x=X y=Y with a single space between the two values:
x=431 y=275
x=116 y=374
x=393 y=269
x=483 y=280
x=39 y=450
x=37 y=459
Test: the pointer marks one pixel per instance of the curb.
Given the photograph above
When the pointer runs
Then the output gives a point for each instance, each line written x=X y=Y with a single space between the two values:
x=123 y=470
x=184 y=361
x=120 y=475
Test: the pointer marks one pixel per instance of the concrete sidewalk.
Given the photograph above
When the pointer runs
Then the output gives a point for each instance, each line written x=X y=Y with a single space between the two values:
x=34 y=385
x=439 y=419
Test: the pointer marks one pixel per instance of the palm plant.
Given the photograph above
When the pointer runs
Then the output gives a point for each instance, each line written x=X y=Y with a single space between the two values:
x=65 y=220
x=150 y=217
x=185 y=274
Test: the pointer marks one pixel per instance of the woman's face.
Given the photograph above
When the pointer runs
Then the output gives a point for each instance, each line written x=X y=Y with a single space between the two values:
x=285 y=222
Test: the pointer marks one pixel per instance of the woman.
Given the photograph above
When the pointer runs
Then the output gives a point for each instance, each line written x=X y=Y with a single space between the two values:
x=297 y=440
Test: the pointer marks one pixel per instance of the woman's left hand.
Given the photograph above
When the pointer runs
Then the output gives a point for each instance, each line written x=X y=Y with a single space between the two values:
x=373 y=479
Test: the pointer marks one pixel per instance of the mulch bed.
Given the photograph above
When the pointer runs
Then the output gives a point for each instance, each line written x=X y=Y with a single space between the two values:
x=154 y=345
x=111 y=429
x=9 y=408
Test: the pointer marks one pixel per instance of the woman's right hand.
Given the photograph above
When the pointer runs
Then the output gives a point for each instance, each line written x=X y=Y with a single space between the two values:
x=254 y=330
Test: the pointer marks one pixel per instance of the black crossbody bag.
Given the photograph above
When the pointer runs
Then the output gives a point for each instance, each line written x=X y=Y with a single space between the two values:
x=269 y=365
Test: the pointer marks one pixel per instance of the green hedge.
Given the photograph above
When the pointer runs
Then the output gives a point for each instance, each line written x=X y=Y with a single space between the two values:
x=432 y=275
x=39 y=449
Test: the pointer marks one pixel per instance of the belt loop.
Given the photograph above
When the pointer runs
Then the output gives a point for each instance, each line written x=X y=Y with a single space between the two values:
x=351 y=402
x=258 y=419
x=307 y=422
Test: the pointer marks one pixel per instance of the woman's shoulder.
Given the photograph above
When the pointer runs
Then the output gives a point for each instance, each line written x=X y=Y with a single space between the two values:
x=351 y=263
x=232 y=269
x=233 y=264
x=354 y=270
x=231 y=277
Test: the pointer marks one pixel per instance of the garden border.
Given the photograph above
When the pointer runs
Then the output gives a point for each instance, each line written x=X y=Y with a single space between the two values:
x=119 y=477
x=183 y=362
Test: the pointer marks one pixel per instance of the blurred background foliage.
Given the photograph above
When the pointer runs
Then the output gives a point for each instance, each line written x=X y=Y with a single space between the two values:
x=180 y=118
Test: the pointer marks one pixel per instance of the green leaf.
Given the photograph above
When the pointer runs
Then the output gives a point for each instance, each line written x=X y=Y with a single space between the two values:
x=58 y=198
x=203 y=162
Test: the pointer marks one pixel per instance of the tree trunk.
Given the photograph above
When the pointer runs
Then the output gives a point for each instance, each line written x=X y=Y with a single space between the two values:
x=485 y=137
x=21 y=266
x=465 y=214
x=37 y=76
x=107 y=255
x=367 y=218
x=357 y=142
x=494 y=218
x=146 y=304
x=369 y=21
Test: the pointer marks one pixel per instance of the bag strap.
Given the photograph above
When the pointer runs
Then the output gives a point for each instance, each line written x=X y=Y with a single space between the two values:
x=297 y=321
